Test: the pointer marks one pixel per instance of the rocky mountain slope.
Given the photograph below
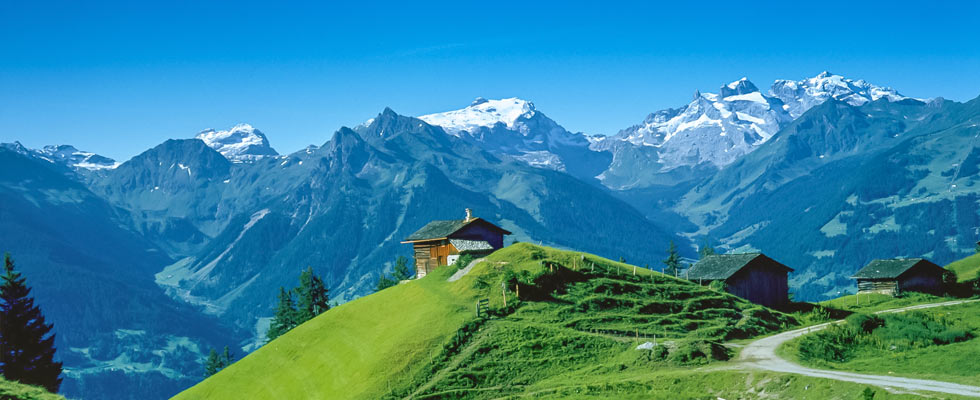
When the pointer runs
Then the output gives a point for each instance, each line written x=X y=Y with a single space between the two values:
x=117 y=333
x=822 y=174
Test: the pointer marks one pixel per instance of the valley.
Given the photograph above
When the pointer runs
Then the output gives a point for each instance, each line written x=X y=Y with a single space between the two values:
x=824 y=174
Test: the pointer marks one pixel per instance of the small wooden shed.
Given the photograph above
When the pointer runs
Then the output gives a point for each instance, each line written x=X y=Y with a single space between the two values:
x=895 y=276
x=751 y=276
x=442 y=242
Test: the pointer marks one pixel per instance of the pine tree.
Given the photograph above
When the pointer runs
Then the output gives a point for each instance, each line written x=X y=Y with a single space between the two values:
x=26 y=349
x=705 y=250
x=673 y=261
x=402 y=272
x=216 y=362
x=226 y=357
x=285 y=318
x=312 y=296
x=384 y=282
x=213 y=364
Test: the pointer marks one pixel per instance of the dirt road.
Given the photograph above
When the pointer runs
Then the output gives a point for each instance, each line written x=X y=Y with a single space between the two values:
x=761 y=354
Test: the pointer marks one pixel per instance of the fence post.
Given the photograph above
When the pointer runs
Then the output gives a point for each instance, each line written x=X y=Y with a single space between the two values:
x=503 y=290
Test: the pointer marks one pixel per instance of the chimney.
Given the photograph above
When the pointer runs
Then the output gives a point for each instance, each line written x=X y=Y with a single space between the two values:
x=469 y=215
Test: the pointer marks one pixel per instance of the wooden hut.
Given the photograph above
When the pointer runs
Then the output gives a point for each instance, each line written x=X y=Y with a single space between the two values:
x=442 y=242
x=751 y=276
x=895 y=276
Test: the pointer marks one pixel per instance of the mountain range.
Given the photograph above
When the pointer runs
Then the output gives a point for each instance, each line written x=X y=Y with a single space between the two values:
x=822 y=174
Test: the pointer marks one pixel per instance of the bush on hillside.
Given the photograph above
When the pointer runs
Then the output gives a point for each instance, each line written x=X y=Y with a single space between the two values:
x=699 y=352
x=463 y=261
x=889 y=332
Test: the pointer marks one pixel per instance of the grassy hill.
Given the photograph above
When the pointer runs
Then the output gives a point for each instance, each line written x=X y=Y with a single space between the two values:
x=19 y=391
x=967 y=268
x=576 y=315
x=939 y=343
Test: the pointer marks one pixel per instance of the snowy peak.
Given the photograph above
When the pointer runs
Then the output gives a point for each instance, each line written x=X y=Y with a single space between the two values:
x=482 y=113
x=65 y=155
x=239 y=144
x=739 y=87
x=800 y=96
x=74 y=158
x=713 y=128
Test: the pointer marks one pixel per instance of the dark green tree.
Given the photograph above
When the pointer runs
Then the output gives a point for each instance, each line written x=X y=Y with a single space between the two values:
x=213 y=364
x=705 y=249
x=311 y=295
x=216 y=362
x=402 y=272
x=384 y=282
x=286 y=315
x=673 y=261
x=26 y=343
x=226 y=356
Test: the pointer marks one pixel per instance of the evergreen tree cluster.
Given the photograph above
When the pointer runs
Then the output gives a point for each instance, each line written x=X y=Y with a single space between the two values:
x=401 y=272
x=673 y=261
x=26 y=342
x=311 y=301
x=216 y=362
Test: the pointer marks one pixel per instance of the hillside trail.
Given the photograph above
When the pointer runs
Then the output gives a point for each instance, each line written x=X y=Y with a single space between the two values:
x=761 y=354
x=462 y=272
x=471 y=346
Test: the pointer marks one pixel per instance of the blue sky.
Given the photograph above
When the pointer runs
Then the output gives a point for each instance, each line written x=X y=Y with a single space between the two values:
x=118 y=78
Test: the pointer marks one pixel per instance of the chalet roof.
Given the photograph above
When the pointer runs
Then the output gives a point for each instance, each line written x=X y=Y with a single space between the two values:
x=464 y=245
x=885 y=269
x=723 y=266
x=441 y=229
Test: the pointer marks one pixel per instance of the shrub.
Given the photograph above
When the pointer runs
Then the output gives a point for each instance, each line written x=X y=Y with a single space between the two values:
x=699 y=352
x=864 y=323
x=838 y=343
x=463 y=261
x=833 y=344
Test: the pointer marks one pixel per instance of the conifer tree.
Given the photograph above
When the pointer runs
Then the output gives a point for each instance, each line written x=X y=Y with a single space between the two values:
x=226 y=357
x=402 y=272
x=26 y=348
x=213 y=364
x=312 y=296
x=673 y=261
x=706 y=250
x=285 y=318
x=384 y=282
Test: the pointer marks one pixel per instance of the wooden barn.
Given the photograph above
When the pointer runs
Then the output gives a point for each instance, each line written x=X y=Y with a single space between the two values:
x=442 y=242
x=751 y=276
x=896 y=276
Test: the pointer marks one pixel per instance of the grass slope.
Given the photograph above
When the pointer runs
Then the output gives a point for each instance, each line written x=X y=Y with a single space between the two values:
x=13 y=390
x=577 y=316
x=872 y=302
x=954 y=362
x=355 y=350
x=967 y=268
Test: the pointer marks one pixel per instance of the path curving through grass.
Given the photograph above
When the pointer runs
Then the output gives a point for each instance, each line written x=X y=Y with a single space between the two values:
x=761 y=354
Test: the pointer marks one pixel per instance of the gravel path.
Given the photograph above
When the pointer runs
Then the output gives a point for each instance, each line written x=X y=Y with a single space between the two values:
x=761 y=354
x=461 y=273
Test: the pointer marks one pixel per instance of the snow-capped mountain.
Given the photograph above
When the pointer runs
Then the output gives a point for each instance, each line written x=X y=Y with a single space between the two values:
x=513 y=127
x=238 y=144
x=800 y=96
x=717 y=129
x=713 y=128
x=65 y=155
x=483 y=113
